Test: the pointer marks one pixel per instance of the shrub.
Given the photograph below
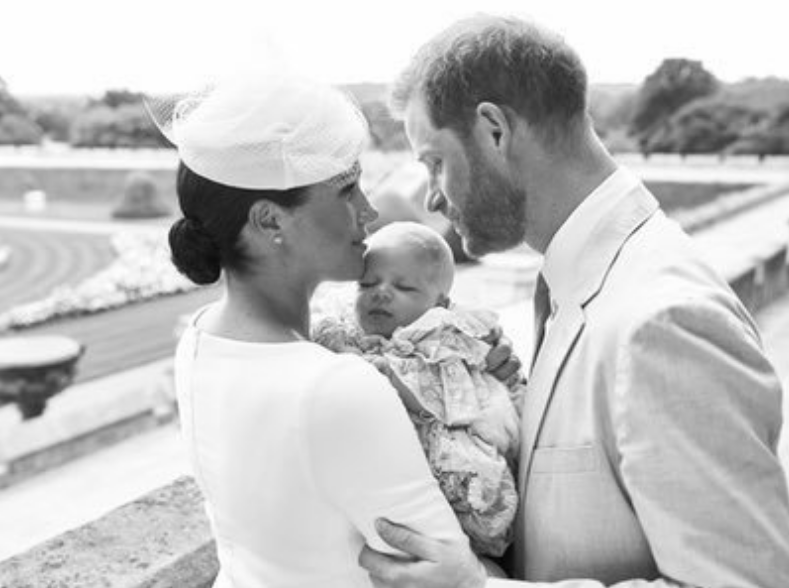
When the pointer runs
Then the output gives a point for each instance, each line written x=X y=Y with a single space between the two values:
x=140 y=198
x=128 y=125
x=16 y=129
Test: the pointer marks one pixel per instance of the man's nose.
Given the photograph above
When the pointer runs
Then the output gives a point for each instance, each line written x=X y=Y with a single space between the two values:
x=435 y=200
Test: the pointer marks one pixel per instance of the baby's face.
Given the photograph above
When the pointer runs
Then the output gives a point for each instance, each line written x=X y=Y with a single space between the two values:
x=396 y=289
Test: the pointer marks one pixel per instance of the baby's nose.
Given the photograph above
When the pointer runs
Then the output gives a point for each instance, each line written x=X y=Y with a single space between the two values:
x=382 y=293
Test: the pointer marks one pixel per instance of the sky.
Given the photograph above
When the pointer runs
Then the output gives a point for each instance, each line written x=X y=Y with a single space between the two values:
x=85 y=47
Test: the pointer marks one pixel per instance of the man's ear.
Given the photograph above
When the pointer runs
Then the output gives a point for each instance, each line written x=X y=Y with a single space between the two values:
x=493 y=128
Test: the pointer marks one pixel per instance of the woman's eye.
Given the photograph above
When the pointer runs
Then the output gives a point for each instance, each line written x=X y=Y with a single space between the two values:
x=349 y=191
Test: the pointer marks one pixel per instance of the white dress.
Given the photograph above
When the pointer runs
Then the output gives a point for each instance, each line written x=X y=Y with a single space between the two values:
x=297 y=451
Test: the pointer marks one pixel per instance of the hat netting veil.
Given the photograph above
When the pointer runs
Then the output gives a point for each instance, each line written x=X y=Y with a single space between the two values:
x=264 y=132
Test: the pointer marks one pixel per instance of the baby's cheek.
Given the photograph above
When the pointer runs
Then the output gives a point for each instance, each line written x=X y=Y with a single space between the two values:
x=360 y=302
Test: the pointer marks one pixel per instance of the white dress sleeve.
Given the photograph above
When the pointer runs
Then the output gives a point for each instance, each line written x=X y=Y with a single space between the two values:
x=366 y=457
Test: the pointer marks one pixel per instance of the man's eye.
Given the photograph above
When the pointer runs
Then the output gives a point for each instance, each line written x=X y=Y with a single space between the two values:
x=405 y=288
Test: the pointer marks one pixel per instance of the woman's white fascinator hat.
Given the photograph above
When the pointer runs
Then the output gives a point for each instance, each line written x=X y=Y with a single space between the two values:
x=264 y=130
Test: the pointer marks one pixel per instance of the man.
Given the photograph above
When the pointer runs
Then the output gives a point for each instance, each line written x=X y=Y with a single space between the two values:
x=651 y=417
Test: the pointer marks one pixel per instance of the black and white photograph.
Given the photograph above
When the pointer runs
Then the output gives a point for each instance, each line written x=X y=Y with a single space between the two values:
x=301 y=294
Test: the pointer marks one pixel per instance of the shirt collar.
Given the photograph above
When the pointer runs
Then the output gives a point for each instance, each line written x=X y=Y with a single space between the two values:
x=570 y=241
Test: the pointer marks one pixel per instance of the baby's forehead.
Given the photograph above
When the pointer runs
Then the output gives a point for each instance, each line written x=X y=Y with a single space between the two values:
x=406 y=260
x=404 y=251
x=407 y=240
x=414 y=248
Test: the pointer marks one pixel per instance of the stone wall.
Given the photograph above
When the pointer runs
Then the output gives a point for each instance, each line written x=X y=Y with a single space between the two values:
x=161 y=540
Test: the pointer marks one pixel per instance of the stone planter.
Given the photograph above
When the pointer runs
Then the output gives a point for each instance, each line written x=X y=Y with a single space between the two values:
x=33 y=369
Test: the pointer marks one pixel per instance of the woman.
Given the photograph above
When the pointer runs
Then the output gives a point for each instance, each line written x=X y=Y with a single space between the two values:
x=297 y=450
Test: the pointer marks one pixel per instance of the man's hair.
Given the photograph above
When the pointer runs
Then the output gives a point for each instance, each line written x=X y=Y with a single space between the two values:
x=514 y=64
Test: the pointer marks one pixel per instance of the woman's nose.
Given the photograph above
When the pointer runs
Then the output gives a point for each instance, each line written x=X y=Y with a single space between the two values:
x=367 y=213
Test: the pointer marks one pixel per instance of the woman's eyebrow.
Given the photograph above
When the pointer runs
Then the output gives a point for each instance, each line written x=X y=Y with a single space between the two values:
x=346 y=178
x=351 y=183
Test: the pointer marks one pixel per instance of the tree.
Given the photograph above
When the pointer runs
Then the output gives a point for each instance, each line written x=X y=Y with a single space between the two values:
x=9 y=104
x=16 y=126
x=706 y=125
x=54 y=123
x=117 y=98
x=126 y=125
x=675 y=83
x=17 y=129
x=770 y=136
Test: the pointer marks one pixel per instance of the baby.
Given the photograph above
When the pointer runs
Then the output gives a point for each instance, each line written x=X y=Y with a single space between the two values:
x=434 y=355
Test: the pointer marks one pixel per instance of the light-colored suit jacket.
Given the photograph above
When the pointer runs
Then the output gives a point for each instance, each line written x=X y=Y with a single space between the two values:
x=650 y=424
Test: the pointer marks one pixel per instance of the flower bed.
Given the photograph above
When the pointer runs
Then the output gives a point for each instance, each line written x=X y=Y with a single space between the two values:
x=142 y=270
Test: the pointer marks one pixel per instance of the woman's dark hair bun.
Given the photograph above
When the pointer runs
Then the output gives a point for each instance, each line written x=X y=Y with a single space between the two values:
x=194 y=253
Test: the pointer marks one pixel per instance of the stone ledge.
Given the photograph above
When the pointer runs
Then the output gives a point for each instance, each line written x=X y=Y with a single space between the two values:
x=161 y=540
x=704 y=216
x=85 y=417
x=762 y=280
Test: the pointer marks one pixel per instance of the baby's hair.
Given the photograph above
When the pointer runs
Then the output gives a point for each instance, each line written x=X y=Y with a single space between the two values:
x=430 y=244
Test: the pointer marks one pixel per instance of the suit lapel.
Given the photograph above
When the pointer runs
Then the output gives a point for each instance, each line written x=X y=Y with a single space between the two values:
x=564 y=332
x=629 y=210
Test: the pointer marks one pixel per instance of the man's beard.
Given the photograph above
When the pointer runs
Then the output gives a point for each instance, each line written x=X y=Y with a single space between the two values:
x=494 y=214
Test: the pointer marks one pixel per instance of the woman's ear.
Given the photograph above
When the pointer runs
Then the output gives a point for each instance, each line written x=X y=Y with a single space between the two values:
x=265 y=217
x=493 y=128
